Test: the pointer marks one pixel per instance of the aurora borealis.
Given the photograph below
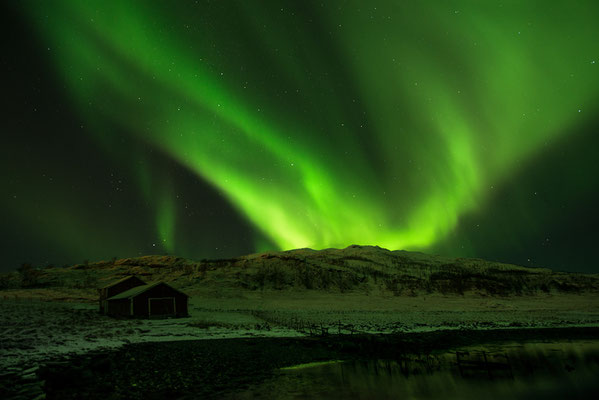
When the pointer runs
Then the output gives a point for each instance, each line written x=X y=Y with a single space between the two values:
x=212 y=129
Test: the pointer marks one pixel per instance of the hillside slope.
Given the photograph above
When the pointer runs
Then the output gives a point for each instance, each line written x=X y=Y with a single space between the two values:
x=368 y=269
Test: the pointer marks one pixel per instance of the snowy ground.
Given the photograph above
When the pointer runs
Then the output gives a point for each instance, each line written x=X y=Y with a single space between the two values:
x=33 y=330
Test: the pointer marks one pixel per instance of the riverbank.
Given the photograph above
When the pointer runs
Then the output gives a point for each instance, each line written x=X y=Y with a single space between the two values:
x=218 y=368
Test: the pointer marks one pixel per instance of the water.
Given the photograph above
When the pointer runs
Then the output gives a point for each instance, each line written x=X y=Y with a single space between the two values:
x=565 y=370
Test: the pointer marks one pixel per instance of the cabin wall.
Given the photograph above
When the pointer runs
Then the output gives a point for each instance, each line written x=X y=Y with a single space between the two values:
x=141 y=302
x=181 y=305
x=140 y=306
x=120 y=287
x=118 y=308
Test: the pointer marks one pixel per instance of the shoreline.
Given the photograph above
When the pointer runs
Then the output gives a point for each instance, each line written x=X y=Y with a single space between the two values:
x=210 y=368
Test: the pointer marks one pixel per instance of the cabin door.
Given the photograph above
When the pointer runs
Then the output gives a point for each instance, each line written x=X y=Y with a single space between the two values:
x=161 y=306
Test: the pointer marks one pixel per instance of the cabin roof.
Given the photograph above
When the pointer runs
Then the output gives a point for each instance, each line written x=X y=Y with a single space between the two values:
x=133 y=292
x=122 y=280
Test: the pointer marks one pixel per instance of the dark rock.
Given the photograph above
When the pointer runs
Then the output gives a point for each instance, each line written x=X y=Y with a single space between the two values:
x=31 y=388
x=8 y=375
x=31 y=370
x=29 y=377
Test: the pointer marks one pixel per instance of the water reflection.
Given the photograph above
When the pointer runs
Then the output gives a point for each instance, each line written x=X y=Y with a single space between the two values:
x=531 y=371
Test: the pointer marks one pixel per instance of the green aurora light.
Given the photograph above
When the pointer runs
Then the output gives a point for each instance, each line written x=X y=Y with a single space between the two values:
x=378 y=122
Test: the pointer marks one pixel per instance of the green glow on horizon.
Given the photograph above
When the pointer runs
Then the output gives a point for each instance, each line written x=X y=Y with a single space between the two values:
x=454 y=100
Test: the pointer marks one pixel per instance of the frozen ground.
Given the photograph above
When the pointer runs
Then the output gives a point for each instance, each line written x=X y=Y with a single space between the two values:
x=33 y=330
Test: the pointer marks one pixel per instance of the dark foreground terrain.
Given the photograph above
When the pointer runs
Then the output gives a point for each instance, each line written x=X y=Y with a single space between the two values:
x=221 y=367
x=251 y=316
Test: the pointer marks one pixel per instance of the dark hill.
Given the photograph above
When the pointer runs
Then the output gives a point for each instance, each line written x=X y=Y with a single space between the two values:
x=355 y=268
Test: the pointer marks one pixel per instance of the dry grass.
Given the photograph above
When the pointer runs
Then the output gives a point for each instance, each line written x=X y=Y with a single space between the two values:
x=366 y=270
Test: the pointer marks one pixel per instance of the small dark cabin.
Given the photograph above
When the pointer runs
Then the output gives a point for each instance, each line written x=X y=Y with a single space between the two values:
x=117 y=287
x=155 y=300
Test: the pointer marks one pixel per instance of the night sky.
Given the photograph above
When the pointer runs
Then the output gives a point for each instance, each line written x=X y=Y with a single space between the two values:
x=212 y=129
